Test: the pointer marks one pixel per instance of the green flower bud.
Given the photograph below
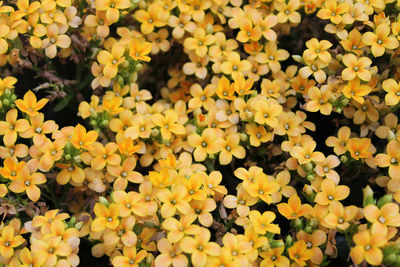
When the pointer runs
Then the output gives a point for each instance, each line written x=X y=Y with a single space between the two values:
x=78 y=225
x=308 y=229
x=345 y=101
x=297 y=224
x=104 y=201
x=368 y=196
x=104 y=123
x=385 y=199
x=308 y=167
x=344 y=159
x=243 y=137
x=276 y=243
x=310 y=177
x=6 y=102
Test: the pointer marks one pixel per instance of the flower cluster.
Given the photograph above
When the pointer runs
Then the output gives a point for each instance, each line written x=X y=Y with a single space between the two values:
x=208 y=133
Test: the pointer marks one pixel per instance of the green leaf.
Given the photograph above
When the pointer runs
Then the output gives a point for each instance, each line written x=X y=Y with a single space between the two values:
x=63 y=102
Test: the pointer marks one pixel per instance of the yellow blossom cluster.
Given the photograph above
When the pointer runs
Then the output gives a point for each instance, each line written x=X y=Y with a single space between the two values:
x=207 y=133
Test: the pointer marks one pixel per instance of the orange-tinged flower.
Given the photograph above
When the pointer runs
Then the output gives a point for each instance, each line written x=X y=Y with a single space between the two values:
x=202 y=209
x=153 y=17
x=234 y=66
x=173 y=200
x=112 y=60
x=82 y=139
x=238 y=247
x=241 y=202
x=39 y=128
x=202 y=97
x=380 y=40
x=387 y=215
x=356 y=67
x=112 y=8
x=200 y=42
x=391 y=159
x=138 y=49
x=294 y=209
x=104 y=155
x=267 y=112
x=317 y=50
x=231 y=148
x=170 y=254
x=359 y=148
x=29 y=104
x=263 y=222
x=130 y=257
x=168 y=124
x=13 y=169
x=393 y=92
x=258 y=134
x=207 y=143
x=149 y=193
x=367 y=246
x=263 y=187
x=44 y=222
x=50 y=248
x=325 y=168
x=7 y=82
x=287 y=11
x=106 y=217
x=353 y=42
x=355 y=90
x=272 y=55
x=339 y=143
x=9 y=240
x=248 y=31
x=200 y=247
x=305 y=153
x=333 y=11
x=299 y=253
x=330 y=192
x=129 y=203
x=274 y=257
x=339 y=217
x=68 y=173
x=225 y=89
x=178 y=229
x=313 y=241
x=28 y=184
x=11 y=127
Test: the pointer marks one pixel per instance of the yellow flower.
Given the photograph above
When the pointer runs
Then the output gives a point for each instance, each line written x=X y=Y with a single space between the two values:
x=29 y=104
x=331 y=192
x=299 y=253
x=9 y=240
x=356 y=67
x=294 y=209
x=287 y=11
x=106 y=217
x=138 y=50
x=168 y=124
x=353 y=89
x=206 y=144
x=380 y=40
x=367 y=246
x=200 y=247
x=112 y=8
x=333 y=11
x=317 y=50
x=263 y=222
x=199 y=42
x=231 y=148
x=393 y=92
x=54 y=40
x=112 y=60
x=28 y=184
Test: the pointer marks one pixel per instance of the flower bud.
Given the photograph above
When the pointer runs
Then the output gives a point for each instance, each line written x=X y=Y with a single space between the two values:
x=104 y=201
x=310 y=177
x=297 y=224
x=368 y=196
x=78 y=225
x=276 y=243
x=344 y=159
x=385 y=199
x=308 y=167
x=243 y=137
